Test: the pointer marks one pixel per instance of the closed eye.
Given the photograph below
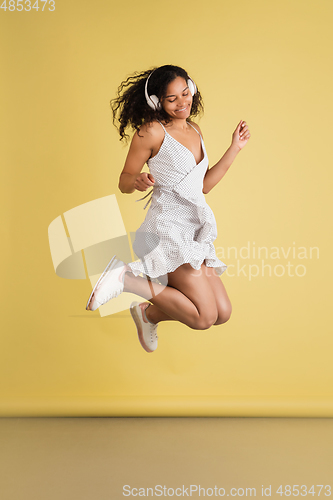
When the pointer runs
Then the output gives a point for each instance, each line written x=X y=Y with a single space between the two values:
x=183 y=95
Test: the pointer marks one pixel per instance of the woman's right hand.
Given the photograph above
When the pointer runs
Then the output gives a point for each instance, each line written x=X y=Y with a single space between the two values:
x=144 y=181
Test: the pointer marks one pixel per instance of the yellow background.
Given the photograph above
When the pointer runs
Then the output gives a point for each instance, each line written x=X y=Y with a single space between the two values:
x=268 y=63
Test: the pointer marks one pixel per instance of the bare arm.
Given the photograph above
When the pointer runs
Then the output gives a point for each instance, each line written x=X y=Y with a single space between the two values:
x=140 y=150
x=215 y=174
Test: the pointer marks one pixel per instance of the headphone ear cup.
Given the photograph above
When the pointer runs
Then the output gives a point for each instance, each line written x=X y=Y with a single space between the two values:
x=154 y=102
x=192 y=86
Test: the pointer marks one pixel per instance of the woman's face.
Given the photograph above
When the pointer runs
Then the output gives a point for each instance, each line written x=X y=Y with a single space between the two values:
x=178 y=99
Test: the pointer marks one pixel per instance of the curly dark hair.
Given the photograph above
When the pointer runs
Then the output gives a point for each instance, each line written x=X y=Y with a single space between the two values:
x=130 y=108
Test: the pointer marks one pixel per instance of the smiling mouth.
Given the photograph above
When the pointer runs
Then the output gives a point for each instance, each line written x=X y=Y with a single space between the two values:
x=183 y=109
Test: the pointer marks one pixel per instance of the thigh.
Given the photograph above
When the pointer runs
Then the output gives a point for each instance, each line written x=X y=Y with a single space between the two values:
x=196 y=286
x=222 y=300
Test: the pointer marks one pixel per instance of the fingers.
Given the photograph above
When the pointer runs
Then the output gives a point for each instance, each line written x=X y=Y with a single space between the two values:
x=141 y=186
x=244 y=133
x=149 y=179
x=241 y=124
x=144 y=181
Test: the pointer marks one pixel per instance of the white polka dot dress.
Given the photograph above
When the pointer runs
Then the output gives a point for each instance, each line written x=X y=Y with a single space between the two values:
x=179 y=226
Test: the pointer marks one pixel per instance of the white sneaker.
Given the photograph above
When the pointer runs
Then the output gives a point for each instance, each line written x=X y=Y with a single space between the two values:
x=109 y=285
x=146 y=331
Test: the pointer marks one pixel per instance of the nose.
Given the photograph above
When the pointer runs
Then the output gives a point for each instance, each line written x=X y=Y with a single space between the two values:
x=181 y=103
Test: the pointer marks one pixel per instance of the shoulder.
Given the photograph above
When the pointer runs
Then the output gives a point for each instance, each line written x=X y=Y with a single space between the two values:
x=150 y=130
x=196 y=126
x=147 y=139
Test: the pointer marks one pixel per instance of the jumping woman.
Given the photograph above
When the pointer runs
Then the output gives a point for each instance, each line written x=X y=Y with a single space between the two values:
x=180 y=270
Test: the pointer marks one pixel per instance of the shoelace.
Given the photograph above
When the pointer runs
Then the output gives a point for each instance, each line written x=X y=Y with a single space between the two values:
x=115 y=293
x=153 y=328
x=153 y=332
x=110 y=296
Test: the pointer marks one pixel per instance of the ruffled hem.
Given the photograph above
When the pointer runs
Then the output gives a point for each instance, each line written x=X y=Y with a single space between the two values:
x=149 y=268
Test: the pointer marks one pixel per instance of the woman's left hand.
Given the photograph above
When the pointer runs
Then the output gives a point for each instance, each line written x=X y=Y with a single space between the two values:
x=241 y=135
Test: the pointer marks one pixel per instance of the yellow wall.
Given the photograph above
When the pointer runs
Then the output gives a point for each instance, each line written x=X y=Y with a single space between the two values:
x=268 y=63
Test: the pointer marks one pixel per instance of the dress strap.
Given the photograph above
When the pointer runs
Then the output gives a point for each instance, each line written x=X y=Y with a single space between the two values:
x=186 y=122
x=161 y=125
x=194 y=128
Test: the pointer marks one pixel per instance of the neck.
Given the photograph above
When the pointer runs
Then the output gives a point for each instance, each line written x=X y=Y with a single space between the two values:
x=180 y=124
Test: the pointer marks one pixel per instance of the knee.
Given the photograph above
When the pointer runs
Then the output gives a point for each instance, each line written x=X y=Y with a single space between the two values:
x=206 y=321
x=224 y=315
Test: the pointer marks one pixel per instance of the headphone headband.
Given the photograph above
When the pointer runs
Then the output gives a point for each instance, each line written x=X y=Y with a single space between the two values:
x=154 y=102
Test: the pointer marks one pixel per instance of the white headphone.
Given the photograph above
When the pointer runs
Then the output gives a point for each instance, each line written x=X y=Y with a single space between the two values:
x=154 y=102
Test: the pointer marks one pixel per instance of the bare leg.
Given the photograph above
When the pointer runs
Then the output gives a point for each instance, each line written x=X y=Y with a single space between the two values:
x=188 y=298
x=222 y=300
x=155 y=315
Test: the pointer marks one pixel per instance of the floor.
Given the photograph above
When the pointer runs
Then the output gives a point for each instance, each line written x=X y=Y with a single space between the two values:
x=114 y=458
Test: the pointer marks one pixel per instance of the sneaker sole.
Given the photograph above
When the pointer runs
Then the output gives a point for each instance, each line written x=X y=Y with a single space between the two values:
x=107 y=269
x=139 y=328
